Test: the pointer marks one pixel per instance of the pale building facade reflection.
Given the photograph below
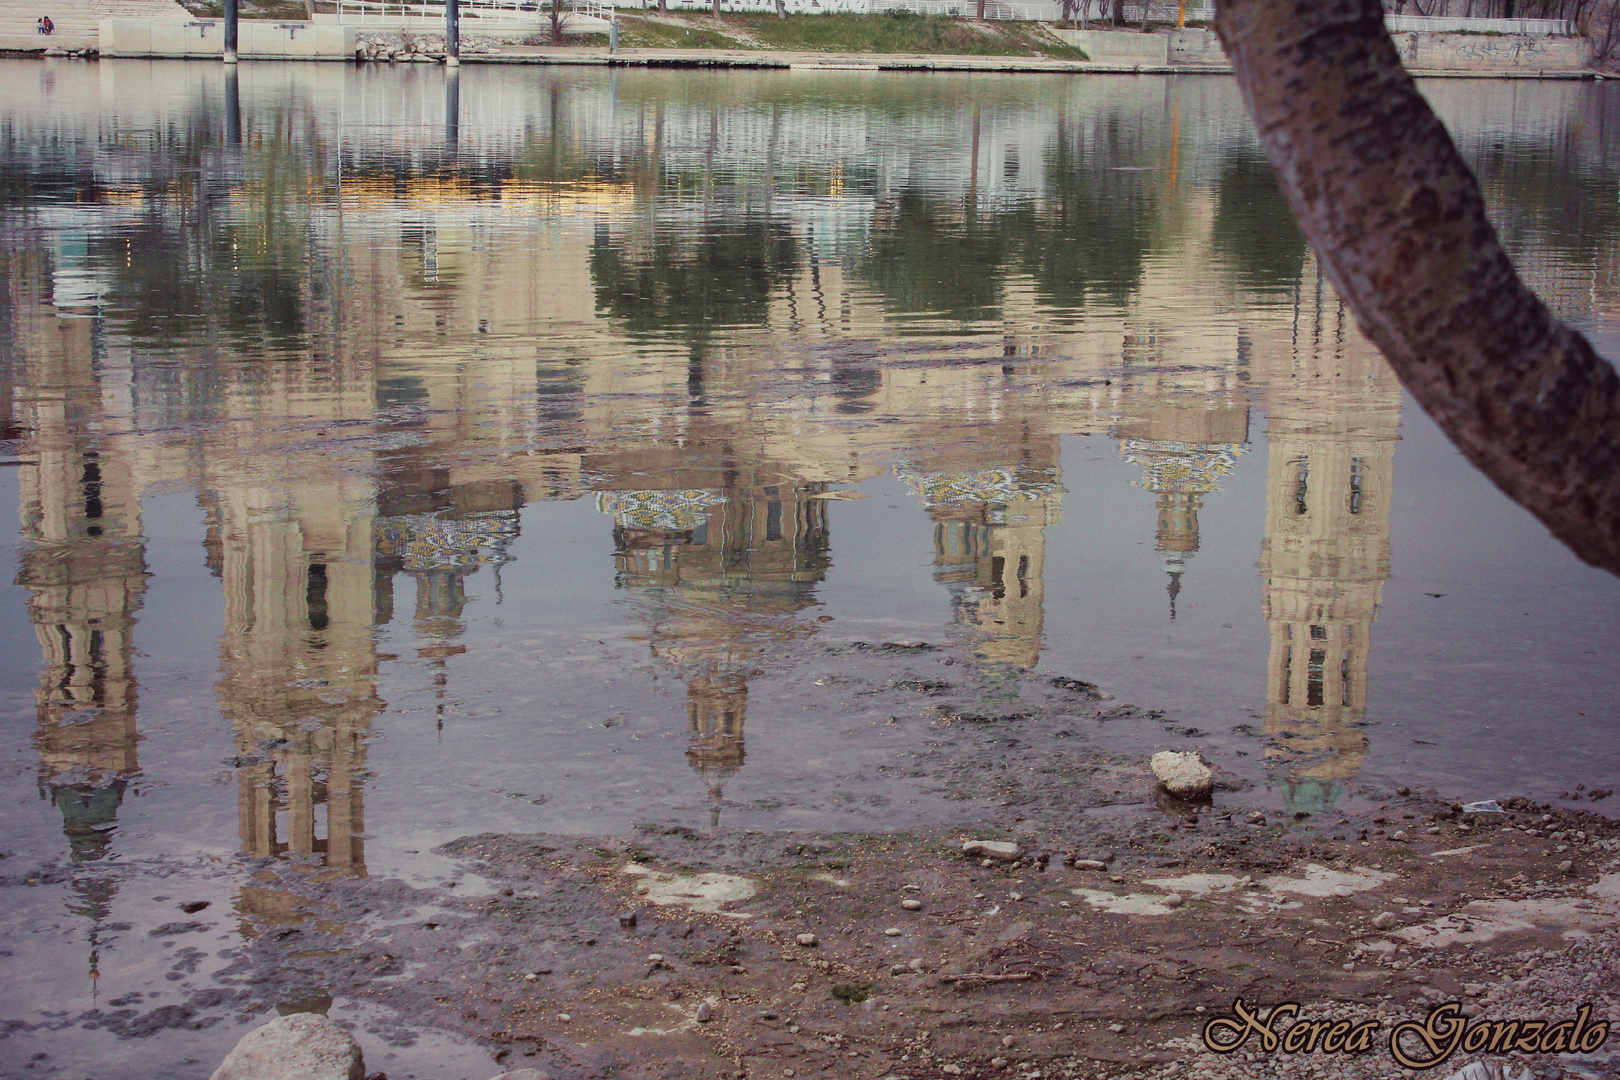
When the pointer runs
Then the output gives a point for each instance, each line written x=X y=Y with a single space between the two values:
x=1335 y=406
x=721 y=571
x=83 y=565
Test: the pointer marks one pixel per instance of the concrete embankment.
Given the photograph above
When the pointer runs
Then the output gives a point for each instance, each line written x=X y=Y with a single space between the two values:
x=1172 y=52
x=1426 y=53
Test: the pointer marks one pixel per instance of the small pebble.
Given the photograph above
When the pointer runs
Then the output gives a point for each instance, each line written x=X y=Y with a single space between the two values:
x=704 y=1011
x=809 y=941
x=1172 y=900
x=564 y=1017
x=655 y=958
x=1116 y=1028
x=911 y=905
x=893 y=931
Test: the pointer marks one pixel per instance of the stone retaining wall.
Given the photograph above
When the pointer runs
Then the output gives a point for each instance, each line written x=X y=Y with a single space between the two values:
x=257 y=39
x=1487 y=54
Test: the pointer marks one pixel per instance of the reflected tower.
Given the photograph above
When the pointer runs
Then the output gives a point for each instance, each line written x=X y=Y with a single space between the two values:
x=723 y=571
x=299 y=668
x=990 y=548
x=83 y=564
x=1325 y=556
x=1184 y=450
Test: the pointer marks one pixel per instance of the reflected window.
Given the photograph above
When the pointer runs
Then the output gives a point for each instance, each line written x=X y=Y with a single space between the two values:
x=998 y=570
x=315 y=596
x=1313 y=677
x=773 y=517
x=1287 y=674
x=1357 y=468
x=1023 y=576
x=90 y=483
x=1302 y=484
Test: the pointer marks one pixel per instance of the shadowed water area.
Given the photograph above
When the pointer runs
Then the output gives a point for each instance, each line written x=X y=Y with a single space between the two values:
x=398 y=457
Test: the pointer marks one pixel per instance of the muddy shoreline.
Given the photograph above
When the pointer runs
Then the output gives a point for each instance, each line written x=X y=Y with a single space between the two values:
x=1126 y=921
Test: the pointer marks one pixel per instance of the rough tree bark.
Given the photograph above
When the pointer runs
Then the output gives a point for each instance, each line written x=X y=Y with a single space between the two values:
x=1398 y=223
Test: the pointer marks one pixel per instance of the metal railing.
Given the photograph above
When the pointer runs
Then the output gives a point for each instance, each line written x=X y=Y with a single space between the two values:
x=383 y=14
x=1447 y=24
x=966 y=9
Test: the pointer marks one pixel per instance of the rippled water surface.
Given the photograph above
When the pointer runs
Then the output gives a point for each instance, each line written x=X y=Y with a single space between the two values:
x=396 y=458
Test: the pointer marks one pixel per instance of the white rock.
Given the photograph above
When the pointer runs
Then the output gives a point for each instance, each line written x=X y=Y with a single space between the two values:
x=809 y=941
x=704 y=1011
x=1171 y=900
x=523 y=1074
x=911 y=905
x=992 y=849
x=1183 y=775
x=1090 y=864
x=893 y=931
x=304 y=1045
x=1384 y=920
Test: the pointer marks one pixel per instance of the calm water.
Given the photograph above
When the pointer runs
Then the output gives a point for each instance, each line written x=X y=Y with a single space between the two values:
x=397 y=458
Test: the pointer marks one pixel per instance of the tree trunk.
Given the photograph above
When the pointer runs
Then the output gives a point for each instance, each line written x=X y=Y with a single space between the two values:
x=781 y=9
x=1399 y=225
x=716 y=9
x=981 y=10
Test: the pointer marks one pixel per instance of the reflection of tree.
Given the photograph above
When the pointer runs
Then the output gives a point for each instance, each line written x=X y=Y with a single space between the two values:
x=1254 y=229
x=1091 y=233
x=688 y=286
x=926 y=256
x=234 y=261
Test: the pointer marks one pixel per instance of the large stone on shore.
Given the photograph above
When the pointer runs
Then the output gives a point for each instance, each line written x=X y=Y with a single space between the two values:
x=992 y=849
x=303 y=1046
x=1183 y=775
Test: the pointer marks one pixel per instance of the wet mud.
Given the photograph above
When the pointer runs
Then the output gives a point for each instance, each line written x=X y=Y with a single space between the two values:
x=1126 y=920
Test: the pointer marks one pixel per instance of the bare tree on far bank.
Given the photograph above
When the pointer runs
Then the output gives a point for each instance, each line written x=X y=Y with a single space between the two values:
x=1400 y=228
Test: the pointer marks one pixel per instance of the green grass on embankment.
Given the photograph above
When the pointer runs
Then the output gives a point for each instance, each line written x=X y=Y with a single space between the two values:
x=896 y=32
x=290 y=10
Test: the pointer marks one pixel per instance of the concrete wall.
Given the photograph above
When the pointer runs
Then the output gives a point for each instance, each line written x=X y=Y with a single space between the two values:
x=1120 y=46
x=1487 y=54
x=1196 y=47
x=257 y=39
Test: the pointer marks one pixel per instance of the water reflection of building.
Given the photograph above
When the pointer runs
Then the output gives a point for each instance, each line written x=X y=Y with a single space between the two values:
x=1325 y=556
x=438 y=534
x=990 y=547
x=722 y=569
x=299 y=666
x=1185 y=448
x=83 y=564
